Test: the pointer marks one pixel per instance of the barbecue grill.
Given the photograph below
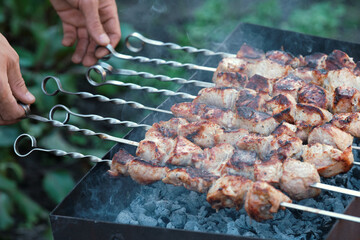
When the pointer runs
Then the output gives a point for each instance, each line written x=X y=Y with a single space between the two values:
x=102 y=207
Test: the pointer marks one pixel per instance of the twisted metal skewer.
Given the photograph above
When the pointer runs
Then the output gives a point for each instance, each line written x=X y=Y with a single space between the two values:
x=94 y=117
x=174 y=46
x=100 y=98
x=56 y=152
x=103 y=68
x=157 y=61
x=86 y=132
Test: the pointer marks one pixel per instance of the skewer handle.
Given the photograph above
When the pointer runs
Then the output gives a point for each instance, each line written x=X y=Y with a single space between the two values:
x=173 y=46
x=103 y=68
x=157 y=61
x=100 y=98
x=56 y=152
x=93 y=117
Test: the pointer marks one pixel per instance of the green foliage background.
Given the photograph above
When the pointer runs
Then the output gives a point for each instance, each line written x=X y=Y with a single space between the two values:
x=31 y=187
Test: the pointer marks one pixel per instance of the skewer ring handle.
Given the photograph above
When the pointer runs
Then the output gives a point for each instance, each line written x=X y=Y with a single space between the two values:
x=140 y=38
x=99 y=70
x=57 y=107
x=21 y=138
x=46 y=80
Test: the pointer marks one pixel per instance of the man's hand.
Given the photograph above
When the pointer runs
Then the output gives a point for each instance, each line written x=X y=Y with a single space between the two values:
x=89 y=23
x=12 y=85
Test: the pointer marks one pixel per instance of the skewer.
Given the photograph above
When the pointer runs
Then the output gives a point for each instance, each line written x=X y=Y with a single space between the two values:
x=94 y=117
x=72 y=128
x=56 y=152
x=76 y=155
x=102 y=68
x=157 y=61
x=173 y=46
x=100 y=98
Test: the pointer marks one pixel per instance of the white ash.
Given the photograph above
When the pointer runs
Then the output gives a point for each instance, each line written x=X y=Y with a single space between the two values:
x=168 y=206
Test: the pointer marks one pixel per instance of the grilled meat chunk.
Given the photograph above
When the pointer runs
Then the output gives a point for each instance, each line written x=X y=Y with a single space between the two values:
x=218 y=97
x=124 y=164
x=310 y=75
x=260 y=84
x=314 y=94
x=191 y=178
x=156 y=151
x=241 y=163
x=262 y=200
x=255 y=121
x=168 y=128
x=346 y=99
x=230 y=79
x=283 y=58
x=289 y=84
x=316 y=60
x=269 y=171
x=297 y=178
x=183 y=152
x=250 y=98
x=280 y=103
x=338 y=60
x=348 y=122
x=342 y=77
x=213 y=159
x=229 y=136
x=328 y=160
x=330 y=135
x=228 y=191
x=285 y=128
x=250 y=53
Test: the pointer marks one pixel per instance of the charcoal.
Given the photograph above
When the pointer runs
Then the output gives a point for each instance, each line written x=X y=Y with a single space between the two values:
x=150 y=206
x=191 y=225
x=178 y=218
x=125 y=217
x=147 y=221
x=232 y=229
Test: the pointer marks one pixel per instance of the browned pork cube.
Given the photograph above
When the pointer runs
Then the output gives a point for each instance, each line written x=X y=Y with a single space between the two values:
x=328 y=160
x=338 y=59
x=289 y=84
x=346 y=99
x=230 y=79
x=269 y=171
x=217 y=97
x=297 y=179
x=348 y=122
x=228 y=191
x=262 y=200
x=183 y=152
x=330 y=135
x=314 y=94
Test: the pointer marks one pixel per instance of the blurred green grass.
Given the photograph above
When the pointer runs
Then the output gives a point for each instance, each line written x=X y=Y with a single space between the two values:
x=34 y=30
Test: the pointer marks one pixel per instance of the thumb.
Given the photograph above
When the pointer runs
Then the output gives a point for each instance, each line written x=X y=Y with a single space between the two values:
x=18 y=87
x=90 y=10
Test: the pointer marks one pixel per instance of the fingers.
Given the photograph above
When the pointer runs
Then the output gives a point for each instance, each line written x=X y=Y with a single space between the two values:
x=89 y=58
x=16 y=82
x=81 y=46
x=90 y=10
x=69 y=38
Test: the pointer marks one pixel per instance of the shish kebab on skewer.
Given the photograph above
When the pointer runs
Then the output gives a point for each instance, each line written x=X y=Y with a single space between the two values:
x=269 y=199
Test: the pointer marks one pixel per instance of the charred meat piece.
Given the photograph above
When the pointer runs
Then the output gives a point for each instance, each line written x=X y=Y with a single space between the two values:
x=343 y=77
x=156 y=151
x=310 y=75
x=348 y=122
x=330 y=135
x=260 y=84
x=191 y=178
x=280 y=103
x=241 y=163
x=213 y=159
x=284 y=58
x=124 y=164
x=269 y=171
x=255 y=121
x=183 y=152
x=328 y=160
x=267 y=68
x=250 y=53
x=228 y=191
x=346 y=99
x=316 y=60
x=250 y=98
x=314 y=94
x=217 y=97
x=338 y=60
x=289 y=84
x=262 y=200
x=285 y=128
x=297 y=178
x=201 y=133
x=230 y=79
x=168 y=129
x=233 y=65
x=229 y=136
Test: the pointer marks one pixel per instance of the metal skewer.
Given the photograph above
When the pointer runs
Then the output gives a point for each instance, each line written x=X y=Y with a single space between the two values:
x=76 y=155
x=173 y=46
x=157 y=61
x=72 y=128
x=102 y=68
x=321 y=212
x=56 y=152
x=100 y=98
x=94 y=117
